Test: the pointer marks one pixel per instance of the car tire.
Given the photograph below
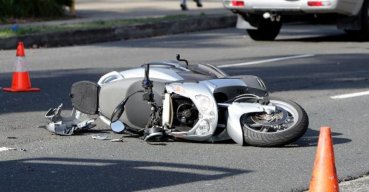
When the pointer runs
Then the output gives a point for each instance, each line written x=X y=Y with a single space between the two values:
x=363 y=33
x=267 y=30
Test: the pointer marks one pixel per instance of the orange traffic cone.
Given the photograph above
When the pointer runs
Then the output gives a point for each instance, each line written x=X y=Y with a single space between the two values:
x=324 y=178
x=21 y=81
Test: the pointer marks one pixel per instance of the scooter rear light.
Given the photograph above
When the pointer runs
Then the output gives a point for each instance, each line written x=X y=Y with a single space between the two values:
x=319 y=3
x=237 y=3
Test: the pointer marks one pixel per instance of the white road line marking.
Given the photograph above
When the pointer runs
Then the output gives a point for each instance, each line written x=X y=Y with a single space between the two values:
x=345 y=96
x=266 y=61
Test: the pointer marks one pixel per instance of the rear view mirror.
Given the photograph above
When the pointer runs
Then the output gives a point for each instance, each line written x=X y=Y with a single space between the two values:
x=117 y=126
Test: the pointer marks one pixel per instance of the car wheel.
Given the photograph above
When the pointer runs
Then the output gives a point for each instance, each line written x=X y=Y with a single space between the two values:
x=363 y=33
x=267 y=30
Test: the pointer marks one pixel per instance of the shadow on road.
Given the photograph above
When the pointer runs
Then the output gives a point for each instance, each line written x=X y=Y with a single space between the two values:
x=198 y=40
x=65 y=174
x=322 y=38
x=311 y=137
x=305 y=32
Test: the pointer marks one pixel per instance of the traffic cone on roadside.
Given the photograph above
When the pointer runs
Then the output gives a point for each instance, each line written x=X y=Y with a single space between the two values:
x=324 y=177
x=21 y=80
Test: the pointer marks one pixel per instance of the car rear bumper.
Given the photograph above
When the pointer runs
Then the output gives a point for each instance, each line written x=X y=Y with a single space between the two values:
x=308 y=6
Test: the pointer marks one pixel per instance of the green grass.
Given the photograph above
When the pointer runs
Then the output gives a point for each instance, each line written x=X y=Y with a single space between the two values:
x=25 y=30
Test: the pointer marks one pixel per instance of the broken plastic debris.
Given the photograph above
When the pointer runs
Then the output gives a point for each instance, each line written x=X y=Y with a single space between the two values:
x=11 y=137
x=10 y=149
x=100 y=136
x=106 y=137
x=6 y=149
x=65 y=126
x=117 y=140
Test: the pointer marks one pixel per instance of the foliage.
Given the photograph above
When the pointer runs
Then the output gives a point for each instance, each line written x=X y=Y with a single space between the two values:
x=33 y=8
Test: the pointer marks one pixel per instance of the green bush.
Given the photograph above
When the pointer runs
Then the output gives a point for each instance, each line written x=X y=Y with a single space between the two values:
x=33 y=8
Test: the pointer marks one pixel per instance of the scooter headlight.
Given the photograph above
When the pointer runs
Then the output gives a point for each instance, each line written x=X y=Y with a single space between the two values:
x=204 y=104
x=203 y=128
x=207 y=115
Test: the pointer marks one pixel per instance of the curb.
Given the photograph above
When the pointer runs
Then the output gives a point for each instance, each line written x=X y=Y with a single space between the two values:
x=82 y=37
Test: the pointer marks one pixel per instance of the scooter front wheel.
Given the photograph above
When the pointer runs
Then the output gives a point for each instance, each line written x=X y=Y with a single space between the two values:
x=287 y=124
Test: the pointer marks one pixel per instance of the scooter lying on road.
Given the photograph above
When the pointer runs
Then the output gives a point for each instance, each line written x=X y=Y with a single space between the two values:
x=173 y=100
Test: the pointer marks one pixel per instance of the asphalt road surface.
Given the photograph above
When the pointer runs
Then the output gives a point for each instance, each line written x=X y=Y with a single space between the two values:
x=308 y=64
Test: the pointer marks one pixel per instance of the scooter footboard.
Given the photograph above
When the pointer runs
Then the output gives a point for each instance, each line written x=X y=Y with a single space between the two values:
x=84 y=96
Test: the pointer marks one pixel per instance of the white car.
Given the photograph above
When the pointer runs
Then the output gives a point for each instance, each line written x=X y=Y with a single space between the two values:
x=263 y=18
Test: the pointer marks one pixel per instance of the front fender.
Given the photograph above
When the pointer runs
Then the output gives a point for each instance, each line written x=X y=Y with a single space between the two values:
x=235 y=111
